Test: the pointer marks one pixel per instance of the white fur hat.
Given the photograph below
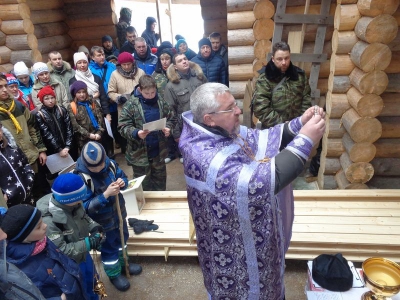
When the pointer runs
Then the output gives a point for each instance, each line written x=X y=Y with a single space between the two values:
x=20 y=68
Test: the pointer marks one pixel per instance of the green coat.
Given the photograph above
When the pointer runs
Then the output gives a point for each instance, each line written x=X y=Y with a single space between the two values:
x=290 y=100
x=67 y=226
x=29 y=140
x=64 y=76
x=132 y=118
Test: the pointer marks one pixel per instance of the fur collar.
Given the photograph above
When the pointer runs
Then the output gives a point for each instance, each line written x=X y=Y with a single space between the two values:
x=8 y=139
x=195 y=71
x=274 y=74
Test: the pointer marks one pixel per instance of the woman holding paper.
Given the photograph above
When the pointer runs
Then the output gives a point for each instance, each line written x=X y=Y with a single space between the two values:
x=55 y=126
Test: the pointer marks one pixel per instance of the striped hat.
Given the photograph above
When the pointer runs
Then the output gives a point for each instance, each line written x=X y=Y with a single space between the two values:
x=19 y=221
x=93 y=154
x=69 y=188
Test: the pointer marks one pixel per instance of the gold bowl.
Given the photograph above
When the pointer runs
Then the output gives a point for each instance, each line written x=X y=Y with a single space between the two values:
x=382 y=277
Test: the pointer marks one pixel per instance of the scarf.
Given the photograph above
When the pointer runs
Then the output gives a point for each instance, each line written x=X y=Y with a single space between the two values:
x=131 y=74
x=90 y=114
x=13 y=119
x=39 y=246
x=148 y=101
x=88 y=78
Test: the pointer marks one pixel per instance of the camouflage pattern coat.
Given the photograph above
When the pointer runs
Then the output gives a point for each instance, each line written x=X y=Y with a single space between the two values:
x=132 y=118
x=82 y=125
x=290 y=99
x=161 y=81
x=178 y=90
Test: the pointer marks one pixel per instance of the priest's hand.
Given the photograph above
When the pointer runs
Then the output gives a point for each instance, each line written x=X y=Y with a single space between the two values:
x=314 y=128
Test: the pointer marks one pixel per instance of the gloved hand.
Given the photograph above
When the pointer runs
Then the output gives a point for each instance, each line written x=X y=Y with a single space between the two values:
x=121 y=99
x=94 y=241
x=96 y=229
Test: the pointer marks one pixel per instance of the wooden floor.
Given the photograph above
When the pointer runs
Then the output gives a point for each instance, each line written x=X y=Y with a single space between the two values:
x=358 y=223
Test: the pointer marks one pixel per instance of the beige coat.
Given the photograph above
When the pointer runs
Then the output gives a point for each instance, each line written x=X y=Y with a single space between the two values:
x=59 y=89
x=119 y=85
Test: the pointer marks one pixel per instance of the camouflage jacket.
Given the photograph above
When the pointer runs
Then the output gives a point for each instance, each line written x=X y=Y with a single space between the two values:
x=132 y=118
x=178 y=90
x=82 y=125
x=161 y=81
x=290 y=99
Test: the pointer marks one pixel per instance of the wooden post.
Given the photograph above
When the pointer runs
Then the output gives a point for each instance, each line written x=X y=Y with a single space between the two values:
x=158 y=19
x=121 y=233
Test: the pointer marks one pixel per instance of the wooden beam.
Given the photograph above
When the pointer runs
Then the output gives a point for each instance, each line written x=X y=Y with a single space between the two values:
x=191 y=2
x=303 y=19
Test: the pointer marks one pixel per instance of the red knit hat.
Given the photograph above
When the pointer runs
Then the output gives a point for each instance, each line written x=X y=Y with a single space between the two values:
x=47 y=90
x=125 y=57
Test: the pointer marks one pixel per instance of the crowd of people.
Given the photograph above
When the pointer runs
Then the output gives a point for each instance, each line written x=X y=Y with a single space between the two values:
x=100 y=103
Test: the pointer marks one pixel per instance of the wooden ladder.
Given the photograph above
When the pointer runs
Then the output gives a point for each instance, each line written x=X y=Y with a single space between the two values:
x=322 y=20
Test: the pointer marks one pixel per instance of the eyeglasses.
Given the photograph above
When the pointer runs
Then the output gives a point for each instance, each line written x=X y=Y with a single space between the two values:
x=225 y=111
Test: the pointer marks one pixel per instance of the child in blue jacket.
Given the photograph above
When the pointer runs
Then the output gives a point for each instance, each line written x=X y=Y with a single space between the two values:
x=106 y=181
x=54 y=274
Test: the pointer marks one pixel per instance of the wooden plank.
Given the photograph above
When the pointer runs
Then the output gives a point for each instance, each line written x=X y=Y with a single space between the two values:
x=345 y=195
x=278 y=30
x=349 y=221
x=340 y=238
x=348 y=204
x=346 y=212
x=308 y=57
x=338 y=228
x=303 y=19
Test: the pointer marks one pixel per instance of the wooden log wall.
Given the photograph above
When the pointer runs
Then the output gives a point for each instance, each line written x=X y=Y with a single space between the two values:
x=90 y=20
x=50 y=28
x=214 y=15
x=364 y=36
x=30 y=29
x=17 y=39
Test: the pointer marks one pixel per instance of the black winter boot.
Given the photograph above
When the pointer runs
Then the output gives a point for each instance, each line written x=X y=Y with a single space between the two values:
x=121 y=283
x=134 y=269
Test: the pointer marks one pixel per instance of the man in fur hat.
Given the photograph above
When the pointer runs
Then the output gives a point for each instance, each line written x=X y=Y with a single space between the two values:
x=184 y=77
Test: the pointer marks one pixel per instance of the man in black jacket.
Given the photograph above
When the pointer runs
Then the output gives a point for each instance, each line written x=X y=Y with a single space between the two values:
x=150 y=34
x=129 y=45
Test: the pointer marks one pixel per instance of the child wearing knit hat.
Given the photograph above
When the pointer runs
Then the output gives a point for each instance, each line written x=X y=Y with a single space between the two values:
x=86 y=115
x=57 y=136
x=106 y=181
x=42 y=78
x=25 y=80
x=13 y=87
x=14 y=283
x=54 y=273
x=68 y=225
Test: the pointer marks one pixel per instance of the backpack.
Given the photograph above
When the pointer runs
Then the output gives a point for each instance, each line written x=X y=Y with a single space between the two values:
x=74 y=109
x=88 y=179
